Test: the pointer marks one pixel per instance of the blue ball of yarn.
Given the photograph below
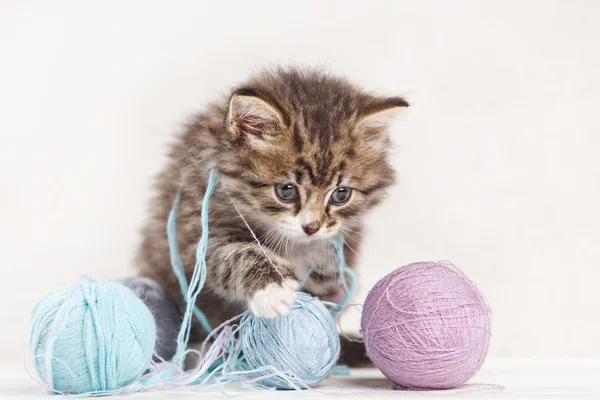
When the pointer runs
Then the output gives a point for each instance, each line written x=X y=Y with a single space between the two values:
x=304 y=342
x=94 y=337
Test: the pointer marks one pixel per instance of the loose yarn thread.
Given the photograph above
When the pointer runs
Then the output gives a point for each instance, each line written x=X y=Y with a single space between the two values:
x=256 y=239
x=283 y=379
x=425 y=326
x=346 y=274
x=227 y=359
x=200 y=267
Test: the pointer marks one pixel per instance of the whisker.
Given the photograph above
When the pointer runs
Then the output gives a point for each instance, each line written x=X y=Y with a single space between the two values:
x=350 y=237
x=346 y=243
x=279 y=243
x=268 y=234
x=286 y=250
x=351 y=230
x=270 y=237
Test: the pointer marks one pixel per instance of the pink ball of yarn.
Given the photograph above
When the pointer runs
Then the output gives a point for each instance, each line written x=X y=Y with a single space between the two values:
x=426 y=325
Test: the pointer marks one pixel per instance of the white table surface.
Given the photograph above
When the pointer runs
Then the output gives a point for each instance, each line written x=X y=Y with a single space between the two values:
x=500 y=378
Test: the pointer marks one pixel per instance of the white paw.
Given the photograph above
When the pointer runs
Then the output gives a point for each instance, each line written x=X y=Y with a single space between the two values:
x=275 y=299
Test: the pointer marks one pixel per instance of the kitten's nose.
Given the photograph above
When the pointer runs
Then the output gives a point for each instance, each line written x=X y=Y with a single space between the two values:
x=311 y=228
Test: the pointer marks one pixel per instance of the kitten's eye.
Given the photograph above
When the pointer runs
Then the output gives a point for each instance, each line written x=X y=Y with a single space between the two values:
x=286 y=192
x=340 y=195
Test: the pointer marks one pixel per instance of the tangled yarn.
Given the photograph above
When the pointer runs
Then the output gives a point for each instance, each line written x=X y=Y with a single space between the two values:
x=94 y=338
x=97 y=338
x=304 y=344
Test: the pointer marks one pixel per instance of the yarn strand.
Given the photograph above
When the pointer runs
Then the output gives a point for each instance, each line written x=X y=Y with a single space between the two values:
x=199 y=275
x=344 y=271
x=256 y=239
x=116 y=332
x=177 y=262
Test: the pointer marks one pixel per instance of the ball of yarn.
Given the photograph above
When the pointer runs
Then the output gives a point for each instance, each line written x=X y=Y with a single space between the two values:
x=426 y=325
x=94 y=337
x=304 y=344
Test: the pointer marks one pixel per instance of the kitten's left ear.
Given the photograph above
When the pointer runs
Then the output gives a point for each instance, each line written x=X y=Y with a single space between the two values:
x=377 y=116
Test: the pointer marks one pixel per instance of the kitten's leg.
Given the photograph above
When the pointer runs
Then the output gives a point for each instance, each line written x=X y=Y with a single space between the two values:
x=243 y=273
x=166 y=312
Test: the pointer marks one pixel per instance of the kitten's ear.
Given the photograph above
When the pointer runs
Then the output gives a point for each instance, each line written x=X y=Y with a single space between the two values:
x=378 y=115
x=250 y=115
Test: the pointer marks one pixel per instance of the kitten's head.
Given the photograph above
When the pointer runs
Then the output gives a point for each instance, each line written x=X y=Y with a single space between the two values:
x=305 y=153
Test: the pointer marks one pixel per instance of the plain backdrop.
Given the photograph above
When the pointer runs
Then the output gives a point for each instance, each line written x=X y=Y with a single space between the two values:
x=498 y=155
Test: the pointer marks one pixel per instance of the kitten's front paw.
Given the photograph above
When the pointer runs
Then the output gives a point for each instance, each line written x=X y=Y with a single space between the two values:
x=275 y=299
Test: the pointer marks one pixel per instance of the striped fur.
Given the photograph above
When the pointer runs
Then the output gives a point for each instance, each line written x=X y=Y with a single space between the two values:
x=303 y=127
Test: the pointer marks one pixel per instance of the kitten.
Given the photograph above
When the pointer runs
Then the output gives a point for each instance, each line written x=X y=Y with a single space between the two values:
x=303 y=156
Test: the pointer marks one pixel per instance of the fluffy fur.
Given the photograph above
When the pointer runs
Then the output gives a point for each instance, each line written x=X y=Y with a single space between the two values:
x=302 y=128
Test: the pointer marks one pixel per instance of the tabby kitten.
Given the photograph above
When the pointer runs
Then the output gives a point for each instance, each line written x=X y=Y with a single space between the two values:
x=301 y=156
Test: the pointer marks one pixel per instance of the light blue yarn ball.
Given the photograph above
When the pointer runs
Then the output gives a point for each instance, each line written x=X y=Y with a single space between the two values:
x=93 y=337
x=304 y=342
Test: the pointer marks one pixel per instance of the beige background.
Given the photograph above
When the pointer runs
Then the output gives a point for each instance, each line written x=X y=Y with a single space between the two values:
x=497 y=156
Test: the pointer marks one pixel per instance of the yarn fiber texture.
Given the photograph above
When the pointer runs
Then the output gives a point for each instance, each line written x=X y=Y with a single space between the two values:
x=426 y=325
x=91 y=338
x=98 y=338
x=304 y=344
